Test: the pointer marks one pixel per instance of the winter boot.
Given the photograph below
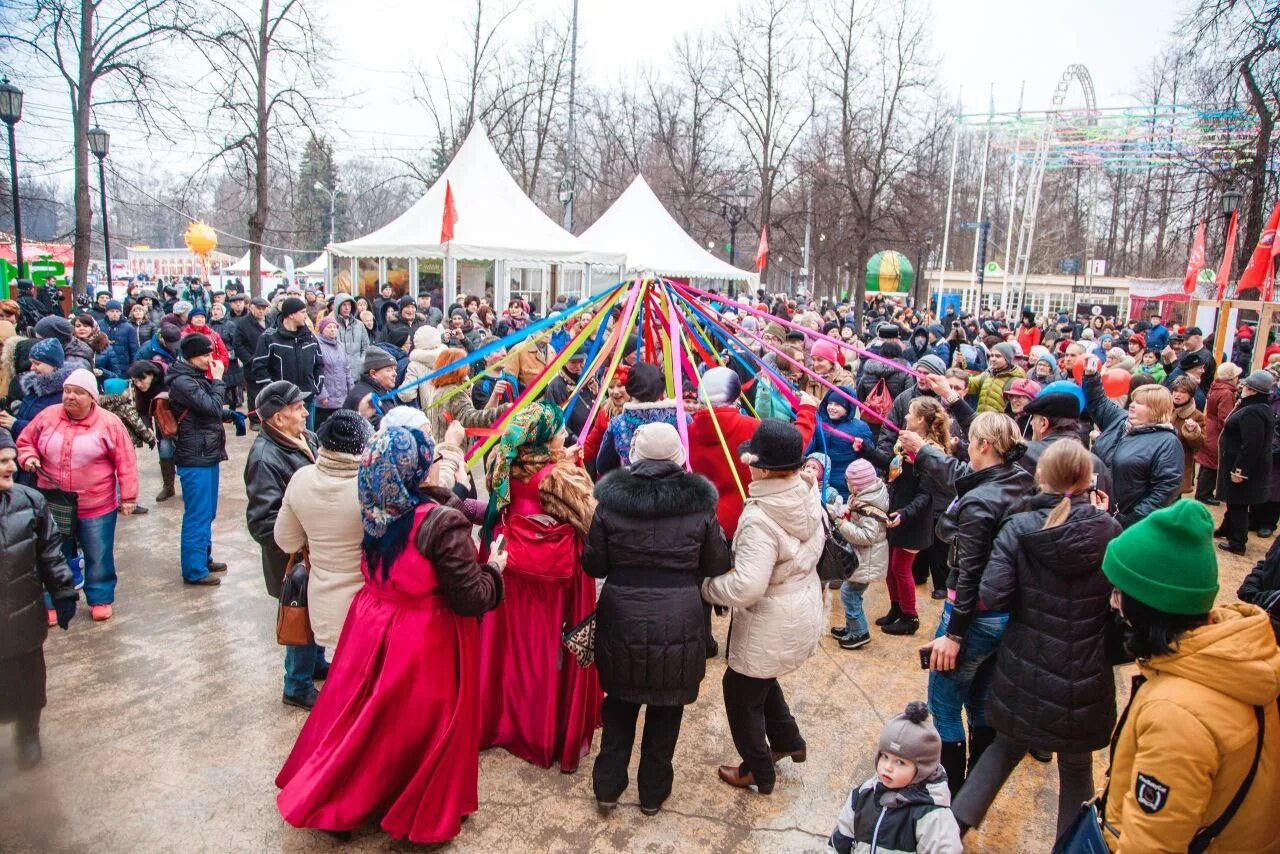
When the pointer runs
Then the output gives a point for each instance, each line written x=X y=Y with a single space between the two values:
x=891 y=617
x=980 y=739
x=167 y=472
x=953 y=755
x=906 y=624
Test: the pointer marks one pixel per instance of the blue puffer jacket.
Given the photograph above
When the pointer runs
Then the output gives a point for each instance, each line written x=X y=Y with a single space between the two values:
x=839 y=449
x=124 y=346
x=39 y=392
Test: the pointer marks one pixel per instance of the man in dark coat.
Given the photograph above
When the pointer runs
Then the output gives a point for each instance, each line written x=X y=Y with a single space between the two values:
x=32 y=309
x=246 y=330
x=199 y=447
x=31 y=563
x=1055 y=415
x=289 y=352
x=377 y=376
x=283 y=446
x=1244 y=458
x=653 y=539
x=562 y=387
x=123 y=338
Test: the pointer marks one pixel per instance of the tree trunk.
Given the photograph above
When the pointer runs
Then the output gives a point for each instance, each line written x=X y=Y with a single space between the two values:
x=81 y=109
x=261 y=207
x=1257 y=168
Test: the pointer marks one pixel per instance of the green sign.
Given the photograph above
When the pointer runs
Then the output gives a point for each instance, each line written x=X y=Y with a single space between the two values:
x=44 y=271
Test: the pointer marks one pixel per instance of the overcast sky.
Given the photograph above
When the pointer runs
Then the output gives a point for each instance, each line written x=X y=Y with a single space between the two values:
x=980 y=42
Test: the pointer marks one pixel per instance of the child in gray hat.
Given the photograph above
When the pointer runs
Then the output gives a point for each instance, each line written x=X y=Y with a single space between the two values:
x=906 y=806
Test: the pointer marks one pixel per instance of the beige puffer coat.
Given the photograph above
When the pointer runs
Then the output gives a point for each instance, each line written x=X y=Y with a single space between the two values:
x=864 y=527
x=422 y=361
x=773 y=588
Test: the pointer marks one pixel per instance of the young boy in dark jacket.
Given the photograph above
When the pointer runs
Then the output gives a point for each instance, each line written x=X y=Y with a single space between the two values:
x=906 y=806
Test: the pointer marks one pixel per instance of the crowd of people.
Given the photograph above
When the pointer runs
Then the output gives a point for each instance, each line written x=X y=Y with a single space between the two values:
x=1048 y=481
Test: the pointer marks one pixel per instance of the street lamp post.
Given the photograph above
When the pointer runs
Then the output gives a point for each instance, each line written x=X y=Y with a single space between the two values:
x=732 y=208
x=11 y=114
x=333 y=206
x=99 y=142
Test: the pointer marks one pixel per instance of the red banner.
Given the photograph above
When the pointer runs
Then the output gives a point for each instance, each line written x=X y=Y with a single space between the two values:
x=1260 y=267
x=1224 y=272
x=1195 y=263
x=762 y=251
x=450 y=216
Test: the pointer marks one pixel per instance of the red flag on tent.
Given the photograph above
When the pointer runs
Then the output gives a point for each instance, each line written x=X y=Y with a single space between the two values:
x=1195 y=263
x=450 y=217
x=1260 y=265
x=1224 y=272
x=1269 y=282
x=762 y=251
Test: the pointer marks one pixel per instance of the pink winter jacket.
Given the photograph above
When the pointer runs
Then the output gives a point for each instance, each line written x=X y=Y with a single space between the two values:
x=86 y=457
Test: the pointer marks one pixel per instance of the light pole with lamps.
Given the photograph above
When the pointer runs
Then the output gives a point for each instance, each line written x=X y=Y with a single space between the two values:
x=732 y=208
x=333 y=205
x=11 y=114
x=1230 y=201
x=99 y=143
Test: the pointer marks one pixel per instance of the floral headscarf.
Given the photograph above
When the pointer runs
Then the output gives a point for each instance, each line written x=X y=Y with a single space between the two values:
x=530 y=429
x=394 y=465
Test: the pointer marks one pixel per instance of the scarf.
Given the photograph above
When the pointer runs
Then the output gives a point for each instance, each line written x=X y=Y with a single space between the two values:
x=526 y=437
x=394 y=465
x=338 y=464
x=299 y=442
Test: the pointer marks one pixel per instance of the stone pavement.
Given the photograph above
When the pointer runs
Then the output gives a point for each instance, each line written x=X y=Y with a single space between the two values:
x=164 y=731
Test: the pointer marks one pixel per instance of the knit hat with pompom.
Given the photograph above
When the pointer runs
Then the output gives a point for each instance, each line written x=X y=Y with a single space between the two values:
x=912 y=736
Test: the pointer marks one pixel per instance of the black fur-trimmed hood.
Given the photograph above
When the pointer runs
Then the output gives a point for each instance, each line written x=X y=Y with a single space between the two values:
x=656 y=490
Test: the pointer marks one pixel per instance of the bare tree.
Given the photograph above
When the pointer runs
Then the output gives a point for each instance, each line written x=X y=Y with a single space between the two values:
x=266 y=70
x=764 y=86
x=104 y=51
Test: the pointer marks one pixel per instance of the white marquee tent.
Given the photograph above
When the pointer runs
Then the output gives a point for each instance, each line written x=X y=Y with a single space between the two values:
x=653 y=241
x=496 y=222
x=241 y=267
x=318 y=267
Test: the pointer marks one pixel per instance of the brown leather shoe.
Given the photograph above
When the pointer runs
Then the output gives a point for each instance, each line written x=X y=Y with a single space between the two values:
x=795 y=756
x=729 y=773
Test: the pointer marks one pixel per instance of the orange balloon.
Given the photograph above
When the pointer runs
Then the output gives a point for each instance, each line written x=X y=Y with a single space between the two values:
x=200 y=238
x=1115 y=382
x=1077 y=370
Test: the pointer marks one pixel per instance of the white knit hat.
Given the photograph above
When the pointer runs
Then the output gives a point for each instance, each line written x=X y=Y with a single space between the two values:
x=657 y=441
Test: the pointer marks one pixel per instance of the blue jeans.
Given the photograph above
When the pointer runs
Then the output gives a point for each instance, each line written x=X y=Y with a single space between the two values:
x=300 y=663
x=855 y=621
x=97 y=538
x=199 y=509
x=311 y=412
x=165 y=448
x=964 y=687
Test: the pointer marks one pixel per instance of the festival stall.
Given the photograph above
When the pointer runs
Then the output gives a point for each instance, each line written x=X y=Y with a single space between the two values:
x=317 y=270
x=654 y=243
x=241 y=267
x=492 y=223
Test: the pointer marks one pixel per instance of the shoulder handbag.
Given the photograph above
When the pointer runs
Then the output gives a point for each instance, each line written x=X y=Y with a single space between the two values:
x=64 y=507
x=166 y=422
x=581 y=640
x=838 y=560
x=293 y=620
x=540 y=547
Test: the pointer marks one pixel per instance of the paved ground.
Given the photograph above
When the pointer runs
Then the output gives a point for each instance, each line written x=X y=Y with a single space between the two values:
x=165 y=730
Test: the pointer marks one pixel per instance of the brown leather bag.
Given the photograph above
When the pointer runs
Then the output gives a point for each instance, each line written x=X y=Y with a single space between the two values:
x=293 y=619
x=162 y=411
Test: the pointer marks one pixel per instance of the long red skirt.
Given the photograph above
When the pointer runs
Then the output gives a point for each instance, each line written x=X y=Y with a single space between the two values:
x=535 y=700
x=395 y=733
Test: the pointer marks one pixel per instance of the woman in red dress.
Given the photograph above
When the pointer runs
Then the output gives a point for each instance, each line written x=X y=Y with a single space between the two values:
x=536 y=701
x=395 y=733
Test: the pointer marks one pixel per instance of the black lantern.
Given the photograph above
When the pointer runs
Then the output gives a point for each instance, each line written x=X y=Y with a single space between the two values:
x=99 y=142
x=10 y=102
x=1231 y=200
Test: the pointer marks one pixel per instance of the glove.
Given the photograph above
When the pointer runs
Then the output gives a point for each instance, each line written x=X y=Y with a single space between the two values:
x=66 y=609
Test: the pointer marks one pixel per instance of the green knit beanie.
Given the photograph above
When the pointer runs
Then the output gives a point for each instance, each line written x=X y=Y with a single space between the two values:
x=1167 y=561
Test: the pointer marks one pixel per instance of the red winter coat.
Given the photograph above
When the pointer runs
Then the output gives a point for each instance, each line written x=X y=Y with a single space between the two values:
x=707 y=456
x=1222 y=399
x=1028 y=337
x=220 y=352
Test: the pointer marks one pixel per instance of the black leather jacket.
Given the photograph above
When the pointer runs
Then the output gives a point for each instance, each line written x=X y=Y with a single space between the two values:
x=267 y=472
x=30 y=562
x=984 y=499
x=197 y=403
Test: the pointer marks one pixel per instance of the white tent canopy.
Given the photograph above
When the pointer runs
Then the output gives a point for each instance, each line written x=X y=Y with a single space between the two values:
x=241 y=267
x=654 y=242
x=318 y=267
x=496 y=220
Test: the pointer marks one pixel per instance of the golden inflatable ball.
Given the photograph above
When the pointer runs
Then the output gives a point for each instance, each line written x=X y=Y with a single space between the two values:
x=200 y=238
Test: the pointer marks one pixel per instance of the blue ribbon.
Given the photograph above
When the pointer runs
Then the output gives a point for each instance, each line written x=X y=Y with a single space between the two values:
x=514 y=338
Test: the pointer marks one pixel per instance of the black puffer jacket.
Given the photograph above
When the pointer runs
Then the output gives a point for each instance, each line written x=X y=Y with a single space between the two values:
x=1146 y=462
x=267 y=472
x=1245 y=446
x=984 y=500
x=1052 y=684
x=197 y=403
x=873 y=370
x=31 y=562
x=284 y=355
x=653 y=539
x=1036 y=449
